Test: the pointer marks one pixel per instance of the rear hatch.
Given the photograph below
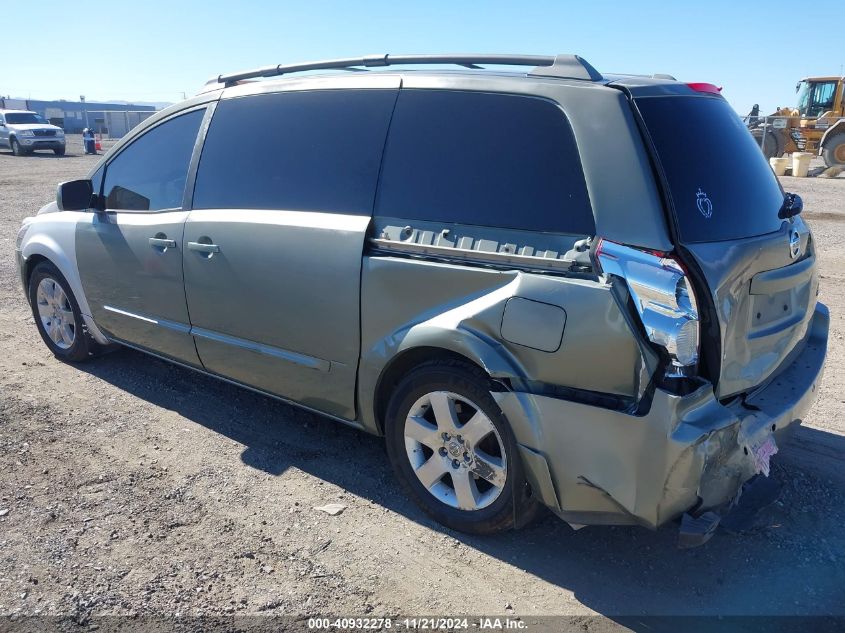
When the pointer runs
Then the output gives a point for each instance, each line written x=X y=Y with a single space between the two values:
x=759 y=270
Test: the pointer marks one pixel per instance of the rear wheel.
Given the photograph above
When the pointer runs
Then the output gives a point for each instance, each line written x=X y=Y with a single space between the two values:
x=57 y=315
x=453 y=450
x=834 y=150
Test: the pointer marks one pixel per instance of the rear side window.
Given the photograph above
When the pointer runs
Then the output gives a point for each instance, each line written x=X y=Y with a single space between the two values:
x=483 y=159
x=150 y=174
x=720 y=184
x=309 y=151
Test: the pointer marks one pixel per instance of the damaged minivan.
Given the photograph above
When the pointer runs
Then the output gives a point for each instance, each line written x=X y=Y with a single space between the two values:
x=541 y=285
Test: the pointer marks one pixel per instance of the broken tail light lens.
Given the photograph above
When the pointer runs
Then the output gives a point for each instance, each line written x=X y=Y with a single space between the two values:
x=663 y=296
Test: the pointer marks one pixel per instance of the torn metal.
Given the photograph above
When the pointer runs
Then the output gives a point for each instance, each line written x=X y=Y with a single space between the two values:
x=592 y=465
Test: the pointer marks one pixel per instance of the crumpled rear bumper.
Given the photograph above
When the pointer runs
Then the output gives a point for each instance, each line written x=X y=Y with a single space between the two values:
x=597 y=466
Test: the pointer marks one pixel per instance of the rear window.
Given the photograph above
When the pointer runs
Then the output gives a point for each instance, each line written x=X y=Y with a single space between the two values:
x=720 y=184
x=483 y=159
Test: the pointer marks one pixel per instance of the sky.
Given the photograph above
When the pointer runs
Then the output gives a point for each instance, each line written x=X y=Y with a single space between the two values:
x=159 y=50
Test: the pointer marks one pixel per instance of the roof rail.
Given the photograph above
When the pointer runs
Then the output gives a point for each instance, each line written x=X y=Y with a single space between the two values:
x=563 y=66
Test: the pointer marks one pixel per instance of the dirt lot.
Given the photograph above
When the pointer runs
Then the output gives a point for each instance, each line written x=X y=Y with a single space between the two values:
x=129 y=486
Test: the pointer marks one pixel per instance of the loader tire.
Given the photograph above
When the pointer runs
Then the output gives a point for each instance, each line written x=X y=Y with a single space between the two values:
x=833 y=151
x=772 y=148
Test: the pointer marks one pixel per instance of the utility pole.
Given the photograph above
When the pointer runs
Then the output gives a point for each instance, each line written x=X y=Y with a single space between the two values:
x=84 y=110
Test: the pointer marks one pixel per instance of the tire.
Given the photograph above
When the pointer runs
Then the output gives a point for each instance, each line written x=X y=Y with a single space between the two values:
x=772 y=148
x=59 y=151
x=463 y=391
x=833 y=151
x=17 y=150
x=68 y=339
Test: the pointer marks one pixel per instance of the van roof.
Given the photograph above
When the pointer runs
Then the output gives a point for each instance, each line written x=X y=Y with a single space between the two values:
x=563 y=66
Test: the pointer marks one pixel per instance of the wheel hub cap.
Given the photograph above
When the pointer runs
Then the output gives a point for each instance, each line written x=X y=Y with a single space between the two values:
x=455 y=448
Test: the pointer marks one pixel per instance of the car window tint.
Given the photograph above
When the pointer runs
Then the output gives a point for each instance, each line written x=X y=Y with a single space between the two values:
x=150 y=173
x=721 y=185
x=484 y=159
x=310 y=151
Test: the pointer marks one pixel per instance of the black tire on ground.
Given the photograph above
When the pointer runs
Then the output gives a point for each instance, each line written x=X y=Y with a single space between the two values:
x=17 y=150
x=771 y=150
x=833 y=151
x=466 y=381
x=59 y=151
x=83 y=347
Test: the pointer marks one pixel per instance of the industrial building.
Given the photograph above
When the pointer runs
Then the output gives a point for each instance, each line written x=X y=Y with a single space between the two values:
x=110 y=119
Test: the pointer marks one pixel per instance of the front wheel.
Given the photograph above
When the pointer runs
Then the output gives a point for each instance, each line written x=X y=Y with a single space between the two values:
x=57 y=315
x=453 y=450
x=59 y=151
x=833 y=151
x=17 y=150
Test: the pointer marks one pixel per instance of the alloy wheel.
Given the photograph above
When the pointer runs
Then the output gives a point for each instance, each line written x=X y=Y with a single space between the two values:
x=455 y=450
x=56 y=314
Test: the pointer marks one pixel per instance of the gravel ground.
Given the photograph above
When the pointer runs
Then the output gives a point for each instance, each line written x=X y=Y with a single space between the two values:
x=129 y=486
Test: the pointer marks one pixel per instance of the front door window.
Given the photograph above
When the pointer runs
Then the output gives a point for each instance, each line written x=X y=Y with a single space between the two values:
x=150 y=174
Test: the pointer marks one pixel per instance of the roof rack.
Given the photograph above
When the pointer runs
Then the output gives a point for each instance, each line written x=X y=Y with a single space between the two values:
x=561 y=66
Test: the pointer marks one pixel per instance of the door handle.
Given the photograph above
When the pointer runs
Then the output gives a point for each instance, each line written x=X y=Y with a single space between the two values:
x=203 y=248
x=160 y=242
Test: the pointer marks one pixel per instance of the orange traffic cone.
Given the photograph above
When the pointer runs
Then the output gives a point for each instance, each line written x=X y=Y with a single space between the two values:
x=97 y=145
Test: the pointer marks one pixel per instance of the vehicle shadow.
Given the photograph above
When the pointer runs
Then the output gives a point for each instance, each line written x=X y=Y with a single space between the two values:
x=792 y=563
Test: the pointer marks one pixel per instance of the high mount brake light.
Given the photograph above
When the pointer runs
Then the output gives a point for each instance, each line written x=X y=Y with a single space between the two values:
x=663 y=297
x=704 y=87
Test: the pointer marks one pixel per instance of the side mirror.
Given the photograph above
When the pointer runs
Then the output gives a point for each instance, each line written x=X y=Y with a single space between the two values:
x=74 y=195
x=792 y=206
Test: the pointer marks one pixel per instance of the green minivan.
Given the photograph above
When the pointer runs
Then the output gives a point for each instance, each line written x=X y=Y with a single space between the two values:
x=543 y=286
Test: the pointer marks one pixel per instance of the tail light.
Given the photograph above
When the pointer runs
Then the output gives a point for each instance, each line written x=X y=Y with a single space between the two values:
x=704 y=87
x=664 y=299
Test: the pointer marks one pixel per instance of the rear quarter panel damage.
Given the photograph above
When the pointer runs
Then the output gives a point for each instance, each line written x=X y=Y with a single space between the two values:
x=616 y=467
x=411 y=303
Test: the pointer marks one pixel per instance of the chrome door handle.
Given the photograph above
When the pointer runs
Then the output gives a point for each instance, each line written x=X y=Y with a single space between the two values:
x=203 y=248
x=159 y=242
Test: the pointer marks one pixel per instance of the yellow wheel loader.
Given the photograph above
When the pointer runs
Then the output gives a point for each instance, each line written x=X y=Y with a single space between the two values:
x=816 y=125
